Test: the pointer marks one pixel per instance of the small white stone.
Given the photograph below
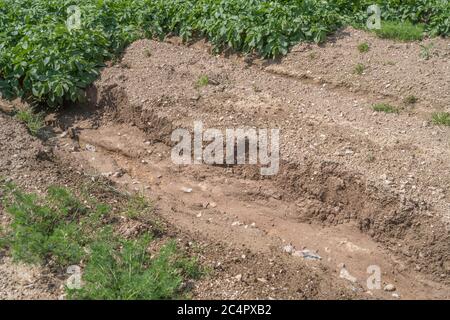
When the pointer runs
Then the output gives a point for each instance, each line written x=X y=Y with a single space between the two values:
x=288 y=249
x=389 y=287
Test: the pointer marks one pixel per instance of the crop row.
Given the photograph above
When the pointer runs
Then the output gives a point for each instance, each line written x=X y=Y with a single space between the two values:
x=42 y=60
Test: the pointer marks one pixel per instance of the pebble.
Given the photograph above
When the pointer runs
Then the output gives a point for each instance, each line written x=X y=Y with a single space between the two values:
x=186 y=190
x=389 y=287
x=307 y=254
x=344 y=274
x=288 y=249
x=118 y=174
x=90 y=148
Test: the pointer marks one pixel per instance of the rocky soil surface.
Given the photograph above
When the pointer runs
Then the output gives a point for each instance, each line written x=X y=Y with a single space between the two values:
x=356 y=189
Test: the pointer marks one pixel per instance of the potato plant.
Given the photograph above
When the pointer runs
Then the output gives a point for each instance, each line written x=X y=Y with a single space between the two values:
x=43 y=60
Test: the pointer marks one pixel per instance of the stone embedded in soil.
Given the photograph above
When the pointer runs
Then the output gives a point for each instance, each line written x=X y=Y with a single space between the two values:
x=307 y=254
x=389 y=287
x=344 y=274
x=118 y=174
x=288 y=249
x=90 y=148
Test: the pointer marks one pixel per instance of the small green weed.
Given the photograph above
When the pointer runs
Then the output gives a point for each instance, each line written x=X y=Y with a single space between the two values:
x=202 y=81
x=313 y=55
x=403 y=31
x=384 y=107
x=363 y=47
x=359 y=69
x=33 y=121
x=425 y=51
x=138 y=206
x=441 y=118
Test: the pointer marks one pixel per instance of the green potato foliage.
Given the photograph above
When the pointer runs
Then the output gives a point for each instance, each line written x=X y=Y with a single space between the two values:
x=43 y=61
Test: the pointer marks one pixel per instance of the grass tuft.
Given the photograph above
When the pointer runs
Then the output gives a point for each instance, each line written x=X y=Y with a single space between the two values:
x=202 y=81
x=359 y=69
x=441 y=118
x=138 y=206
x=33 y=121
x=403 y=31
x=384 y=107
x=425 y=51
x=313 y=55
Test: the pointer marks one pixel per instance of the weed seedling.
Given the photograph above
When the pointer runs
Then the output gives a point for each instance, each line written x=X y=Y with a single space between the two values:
x=359 y=69
x=384 y=107
x=138 y=206
x=202 y=81
x=313 y=55
x=411 y=99
x=425 y=51
x=441 y=118
x=33 y=121
x=363 y=47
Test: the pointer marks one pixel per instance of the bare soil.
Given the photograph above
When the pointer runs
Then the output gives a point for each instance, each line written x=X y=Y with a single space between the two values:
x=355 y=187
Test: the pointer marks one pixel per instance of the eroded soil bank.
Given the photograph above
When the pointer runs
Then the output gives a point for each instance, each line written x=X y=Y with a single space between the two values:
x=356 y=187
